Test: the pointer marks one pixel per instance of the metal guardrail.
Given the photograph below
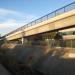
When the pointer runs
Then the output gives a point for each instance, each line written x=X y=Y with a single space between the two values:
x=46 y=17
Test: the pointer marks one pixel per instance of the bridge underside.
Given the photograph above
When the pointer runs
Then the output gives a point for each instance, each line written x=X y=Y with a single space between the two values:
x=41 y=38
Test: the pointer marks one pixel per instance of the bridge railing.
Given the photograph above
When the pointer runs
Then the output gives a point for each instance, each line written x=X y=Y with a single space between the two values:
x=46 y=17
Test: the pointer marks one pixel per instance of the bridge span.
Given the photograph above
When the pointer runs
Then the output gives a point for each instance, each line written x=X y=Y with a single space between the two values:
x=59 y=20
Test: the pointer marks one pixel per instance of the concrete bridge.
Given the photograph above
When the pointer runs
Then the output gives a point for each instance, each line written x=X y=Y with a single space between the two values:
x=59 y=20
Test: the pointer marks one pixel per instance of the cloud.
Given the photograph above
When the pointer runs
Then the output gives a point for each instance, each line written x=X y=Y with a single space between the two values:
x=8 y=24
x=5 y=12
x=12 y=19
x=13 y=14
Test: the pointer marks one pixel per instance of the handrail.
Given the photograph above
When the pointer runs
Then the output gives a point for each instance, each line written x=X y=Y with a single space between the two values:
x=46 y=17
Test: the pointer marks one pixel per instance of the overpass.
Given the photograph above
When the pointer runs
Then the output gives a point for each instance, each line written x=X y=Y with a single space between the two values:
x=58 y=20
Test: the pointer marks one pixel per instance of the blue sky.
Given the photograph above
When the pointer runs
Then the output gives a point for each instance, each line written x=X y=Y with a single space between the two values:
x=16 y=13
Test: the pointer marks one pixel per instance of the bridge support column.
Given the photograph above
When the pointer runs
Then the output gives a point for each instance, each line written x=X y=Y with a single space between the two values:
x=22 y=40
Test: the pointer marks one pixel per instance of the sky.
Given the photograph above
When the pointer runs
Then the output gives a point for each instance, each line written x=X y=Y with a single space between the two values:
x=16 y=13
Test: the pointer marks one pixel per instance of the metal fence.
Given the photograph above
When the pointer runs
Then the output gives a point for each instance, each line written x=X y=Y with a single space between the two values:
x=51 y=43
x=60 y=43
x=46 y=17
x=70 y=43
